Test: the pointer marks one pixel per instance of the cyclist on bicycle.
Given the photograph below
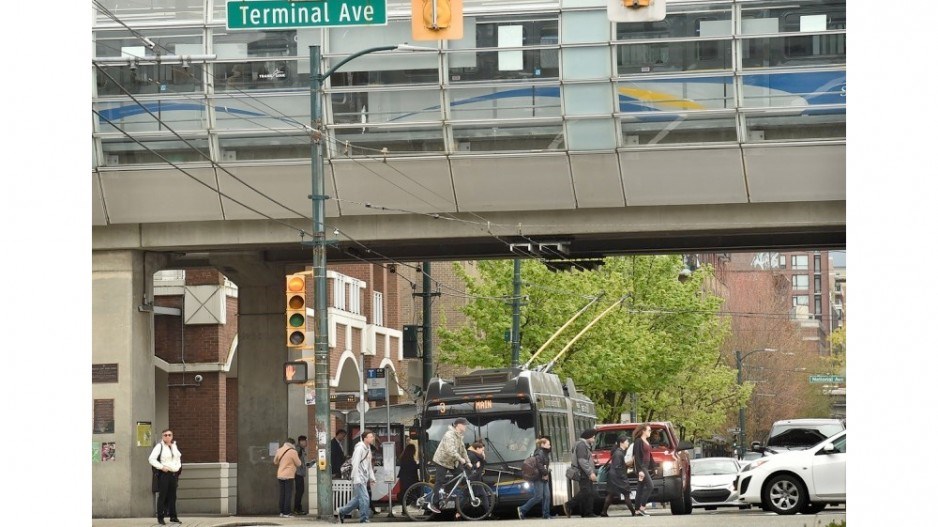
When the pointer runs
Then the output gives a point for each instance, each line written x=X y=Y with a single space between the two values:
x=449 y=455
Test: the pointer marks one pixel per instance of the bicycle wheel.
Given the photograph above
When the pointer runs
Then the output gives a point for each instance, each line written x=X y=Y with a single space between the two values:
x=480 y=507
x=416 y=499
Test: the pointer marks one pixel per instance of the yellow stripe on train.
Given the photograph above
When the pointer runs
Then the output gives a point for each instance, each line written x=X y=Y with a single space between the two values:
x=660 y=99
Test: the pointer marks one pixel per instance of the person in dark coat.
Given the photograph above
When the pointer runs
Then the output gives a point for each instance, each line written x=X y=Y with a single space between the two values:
x=618 y=482
x=540 y=492
x=337 y=453
x=408 y=473
x=644 y=466
x=586 y=478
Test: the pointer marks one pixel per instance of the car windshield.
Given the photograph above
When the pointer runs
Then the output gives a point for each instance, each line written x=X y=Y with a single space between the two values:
x=507 y=437
x=607 y=439
x=797 y=436
x=712 y=467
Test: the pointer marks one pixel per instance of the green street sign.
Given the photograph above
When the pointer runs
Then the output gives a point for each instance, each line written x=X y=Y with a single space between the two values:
x=277 y=14
x=826 y=379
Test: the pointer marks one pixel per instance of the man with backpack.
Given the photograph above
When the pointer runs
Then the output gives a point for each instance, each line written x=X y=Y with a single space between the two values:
x=586 y=476
x=536 y=470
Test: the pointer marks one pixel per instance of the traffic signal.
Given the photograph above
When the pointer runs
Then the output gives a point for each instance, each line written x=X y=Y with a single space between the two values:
x=636 y=10
x=436 y=19
x=296 y=311
x=295 y=372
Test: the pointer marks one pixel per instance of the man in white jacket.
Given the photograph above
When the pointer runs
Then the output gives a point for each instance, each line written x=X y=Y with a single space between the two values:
x=166 y=458
x=363 y=475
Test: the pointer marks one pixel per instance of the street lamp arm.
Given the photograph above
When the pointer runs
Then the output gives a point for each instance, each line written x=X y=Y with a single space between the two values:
x=342 y=62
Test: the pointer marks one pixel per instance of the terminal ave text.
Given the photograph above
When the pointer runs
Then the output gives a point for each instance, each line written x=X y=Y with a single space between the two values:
x=284 y=15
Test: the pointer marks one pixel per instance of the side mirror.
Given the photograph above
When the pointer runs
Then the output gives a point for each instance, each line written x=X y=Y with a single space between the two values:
x=685 y=445
x=828 y=449
x=757 y=447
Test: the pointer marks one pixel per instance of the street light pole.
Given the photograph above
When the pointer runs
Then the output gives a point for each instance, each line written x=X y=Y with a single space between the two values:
x=742 y=409
x=319 y=197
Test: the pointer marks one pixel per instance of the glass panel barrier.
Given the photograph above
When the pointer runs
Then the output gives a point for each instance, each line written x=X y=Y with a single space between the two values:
x=123 y=151
x=794 y=89
x=508 y=102
x=386 y=106
x=177 y=114
x=499 y=137
x=808 y=125
x=287 y=113
x=265 y=147
x=370 y=140
x=514 y=64
x=684 y=128
x=672 y=94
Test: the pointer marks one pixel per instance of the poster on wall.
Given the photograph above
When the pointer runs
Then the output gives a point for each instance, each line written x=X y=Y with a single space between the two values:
x=144 y=433
x=95 y=452
x=103 y=416
x=108 y=451
x=310 y=395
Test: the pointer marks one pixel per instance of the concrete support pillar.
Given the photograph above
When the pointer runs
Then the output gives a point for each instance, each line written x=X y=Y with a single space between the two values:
x=267 y=411
x=123 y=335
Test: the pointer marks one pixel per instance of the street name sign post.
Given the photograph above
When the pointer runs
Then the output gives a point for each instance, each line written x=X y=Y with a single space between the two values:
x=279 y=14
x=826 y=379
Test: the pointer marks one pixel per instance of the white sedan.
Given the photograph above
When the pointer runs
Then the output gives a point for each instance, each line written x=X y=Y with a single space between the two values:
x=713 y=482
x=801 y=481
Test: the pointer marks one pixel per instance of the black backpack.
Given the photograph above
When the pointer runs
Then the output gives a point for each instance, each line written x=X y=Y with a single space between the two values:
x=530 y=469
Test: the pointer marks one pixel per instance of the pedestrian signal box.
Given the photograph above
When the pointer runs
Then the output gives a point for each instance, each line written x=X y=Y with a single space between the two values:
x=295 y=372
x=636 y=10
x=436 y=19
x=296 y=311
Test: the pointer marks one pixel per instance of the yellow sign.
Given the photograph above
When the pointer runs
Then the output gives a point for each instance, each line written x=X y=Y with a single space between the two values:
x=144 y=434
x=436 y=19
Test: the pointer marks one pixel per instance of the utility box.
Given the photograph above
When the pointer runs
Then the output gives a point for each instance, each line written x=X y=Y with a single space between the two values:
x=410 y=342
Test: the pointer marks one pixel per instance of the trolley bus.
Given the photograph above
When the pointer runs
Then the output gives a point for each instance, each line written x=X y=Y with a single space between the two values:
x=507 y=410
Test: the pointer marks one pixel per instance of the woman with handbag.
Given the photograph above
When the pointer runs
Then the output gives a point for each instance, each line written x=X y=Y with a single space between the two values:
x=167 y=461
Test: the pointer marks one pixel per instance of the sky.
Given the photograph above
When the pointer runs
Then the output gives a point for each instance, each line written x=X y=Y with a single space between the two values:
x=46 y=209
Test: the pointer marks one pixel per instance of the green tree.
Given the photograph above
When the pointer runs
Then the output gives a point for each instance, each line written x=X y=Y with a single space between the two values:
x=662 y=342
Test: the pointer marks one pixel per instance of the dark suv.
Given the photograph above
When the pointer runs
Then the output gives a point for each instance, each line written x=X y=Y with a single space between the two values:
x=671 y=478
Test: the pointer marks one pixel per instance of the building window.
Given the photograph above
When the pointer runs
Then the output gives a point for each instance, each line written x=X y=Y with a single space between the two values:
x=799 y=300
x=355 y=298
x=817 y=283
x=338 y=292
x=799 y=281
x=817 y=263
x=799 y=262
x=378 y=303
x=781 y=261
x=817 y=307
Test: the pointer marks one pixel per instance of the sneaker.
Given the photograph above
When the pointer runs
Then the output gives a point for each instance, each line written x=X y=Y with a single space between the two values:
x=520 y=514
x=641 y=513
x=282 y=515
x=566 y=510
x=433 y=508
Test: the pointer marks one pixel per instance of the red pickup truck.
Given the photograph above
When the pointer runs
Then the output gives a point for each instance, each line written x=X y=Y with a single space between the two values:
x=671 y=478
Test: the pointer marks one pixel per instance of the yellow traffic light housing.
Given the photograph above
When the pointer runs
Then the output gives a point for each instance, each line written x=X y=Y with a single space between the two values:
x=296 y=311
x=436 y=19
x=635 y=4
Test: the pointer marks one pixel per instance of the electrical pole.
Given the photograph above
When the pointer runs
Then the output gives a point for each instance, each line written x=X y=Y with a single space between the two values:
x=742 y=409
x=516 y=317
x=427 y=332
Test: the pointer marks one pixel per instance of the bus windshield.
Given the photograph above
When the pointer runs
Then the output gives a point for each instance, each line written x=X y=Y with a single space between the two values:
x=508 y=437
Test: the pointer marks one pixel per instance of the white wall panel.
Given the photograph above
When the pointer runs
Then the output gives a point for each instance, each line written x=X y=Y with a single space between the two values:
x=525 y=182
x=685 y=177
x=98 y=214
x=418 y=185
x=287 y=184
x=596 y=180
x=145 y=196
x=796 y=173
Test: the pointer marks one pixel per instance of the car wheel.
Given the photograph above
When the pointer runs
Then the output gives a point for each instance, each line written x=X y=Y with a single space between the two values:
x=785 y=494
x=682 y=504
x=814 y=508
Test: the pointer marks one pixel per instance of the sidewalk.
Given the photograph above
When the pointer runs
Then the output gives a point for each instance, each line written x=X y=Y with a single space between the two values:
x=233 y=521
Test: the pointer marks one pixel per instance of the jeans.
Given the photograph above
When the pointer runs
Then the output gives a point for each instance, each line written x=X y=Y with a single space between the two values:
x=286 y=491
x=300 y=482
x=359 y=501
x=643 y=492
x=541 y=493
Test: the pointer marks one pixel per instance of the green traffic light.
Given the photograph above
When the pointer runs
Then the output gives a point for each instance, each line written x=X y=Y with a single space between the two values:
x=297 y=320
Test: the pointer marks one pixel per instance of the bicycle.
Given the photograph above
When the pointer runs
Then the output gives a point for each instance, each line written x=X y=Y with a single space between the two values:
x=474 y=499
